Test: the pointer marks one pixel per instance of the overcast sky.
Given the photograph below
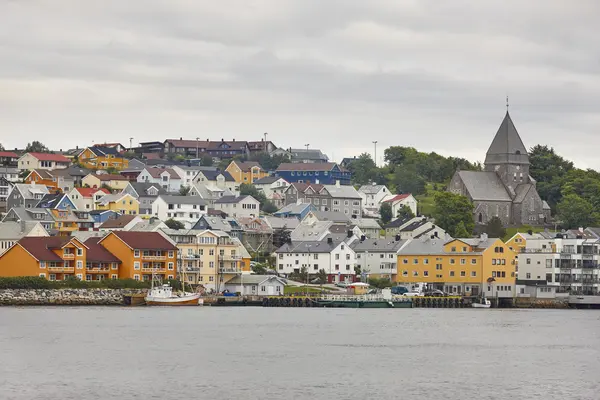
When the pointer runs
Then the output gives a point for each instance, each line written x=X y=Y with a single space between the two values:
x=335 y=74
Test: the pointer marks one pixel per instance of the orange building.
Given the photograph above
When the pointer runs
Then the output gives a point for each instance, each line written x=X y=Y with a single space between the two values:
x=141 y=254
x=42 y=177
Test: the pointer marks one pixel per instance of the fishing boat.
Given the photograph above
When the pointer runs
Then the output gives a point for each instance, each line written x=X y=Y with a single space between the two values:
x=385 y=299
x=481 y=302
x=162 y=295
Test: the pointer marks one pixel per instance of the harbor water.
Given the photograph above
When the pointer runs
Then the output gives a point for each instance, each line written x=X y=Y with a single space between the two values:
x=256 y=353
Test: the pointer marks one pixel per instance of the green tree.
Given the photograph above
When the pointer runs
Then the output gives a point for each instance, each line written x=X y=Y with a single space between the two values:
x=206 y=161
x=184 y=190
x=269 y=162
x=575 y=212
x=549 y=170
x=268 y=207
x=363 y=169
x=405 y=212
x=495 y=228
x=450 y=210
x=385 y=213
x=259 y=269
x=23 y=174
x=1 y=147
x=322 y=276
x=112 y=170
x=36 y=147
x=407 y=180
x=173 y=224
x=380 y=283
x=461 y=231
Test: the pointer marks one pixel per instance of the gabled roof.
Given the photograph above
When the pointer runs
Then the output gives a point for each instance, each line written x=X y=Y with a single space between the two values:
x=484 y=186
x=28 y=214
x=42 y=173
x=397 y=197
x=111 y=198
x=308 y=247
x=232 y=199
x=118 y=223
x=306 y=166
x=52 y=200
x=281 y=223
x=308 y=154
x=303 y=187
x=176 y=199
x=144 y=240
x=254 y=280
x=367 y=223
x=111 y=177
x=41 y=246
x=334 y=216
x=377 y=245
x=507 y=146
x=157 y=172
x=8 y=154
x=294 y=208
x=397 y=223
x=15 y=230
x=246 y=166
x=267 y=180
x=50 y=157
x=204 y=145
x=371 y=189
x=89 y=192
x=100 y=151
x=98 y=253
x=342 y=192
x=212 y=175
x=141 y=188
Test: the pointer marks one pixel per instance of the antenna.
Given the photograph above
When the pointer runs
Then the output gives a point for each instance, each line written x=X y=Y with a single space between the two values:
x=507 y=103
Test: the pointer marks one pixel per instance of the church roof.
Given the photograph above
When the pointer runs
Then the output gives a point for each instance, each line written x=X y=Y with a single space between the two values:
x=507 y=146
x=522 y=191
x=484 y=186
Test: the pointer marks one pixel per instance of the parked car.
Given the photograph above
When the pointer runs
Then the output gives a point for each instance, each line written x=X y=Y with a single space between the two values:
x=413 y=294
x=341 y=284
x=435 y=293
x=399 y=290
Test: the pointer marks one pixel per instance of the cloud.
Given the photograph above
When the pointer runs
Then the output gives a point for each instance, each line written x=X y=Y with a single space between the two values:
x=336 y=74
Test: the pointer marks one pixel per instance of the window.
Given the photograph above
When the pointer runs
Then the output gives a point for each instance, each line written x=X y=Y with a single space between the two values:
x=425 y=273
x=425 y=261
x=347 y=256
x=453 y=249
x=315 y=256
x=171 y=253
x=463 y=261
x=404 y=273
x=415 y=273
x=136 y=265
x=464 y=249
x=405 y=261
x=171 y=266
x=136 y=254
x=415 y=261
x=115 y=266
x=337 y=267
x=337 y=256
x=347 y=267
x=79 y=252
x=528 y=275
x=451 y=273
x=114 y=276
x=42 y=264
x=473 y=261
x=493 y=261
x=528 y=261
x=452 y=261
x=463 y=273
x=42 y=275
x=79 y=264
x=211 y=264
x=438 y=267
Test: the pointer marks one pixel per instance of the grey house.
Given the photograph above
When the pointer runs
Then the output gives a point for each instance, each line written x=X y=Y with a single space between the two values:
x=258 y=285
x=25 y=195
x=22 y=214
x=338 y=198
x=145 y=193
x=504 y=189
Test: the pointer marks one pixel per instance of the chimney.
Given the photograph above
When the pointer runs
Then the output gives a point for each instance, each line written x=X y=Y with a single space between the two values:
x=337 y=183
x=397 y=238
x=180 y=138
x=234 y=139
x=484 y=236
x=530 y=232
x=435 y=234
x=222 y=140
x=580 y=229
x=329 y=240
x=363 y=238
x=22 y=221
x=350 y=233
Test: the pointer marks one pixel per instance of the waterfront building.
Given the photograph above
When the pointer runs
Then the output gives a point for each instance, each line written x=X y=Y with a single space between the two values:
x=459 y=266
x=256 y=285
x=378 y=258
x=142 y=253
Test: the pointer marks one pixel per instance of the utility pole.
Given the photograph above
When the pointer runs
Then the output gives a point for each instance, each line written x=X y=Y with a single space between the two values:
x=375 y=143
x=197 y=147
x=306 y=145
x=130 y=143
x=266 y=149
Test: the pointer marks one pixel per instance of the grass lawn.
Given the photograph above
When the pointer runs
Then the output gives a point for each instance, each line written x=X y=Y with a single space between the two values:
x=302 y=289
x=425 y=201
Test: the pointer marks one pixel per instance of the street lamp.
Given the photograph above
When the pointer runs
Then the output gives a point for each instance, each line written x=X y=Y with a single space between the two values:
x=375 y=155
x=197 y=139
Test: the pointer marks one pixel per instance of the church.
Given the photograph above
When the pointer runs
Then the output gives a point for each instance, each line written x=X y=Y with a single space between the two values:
x=504 y=188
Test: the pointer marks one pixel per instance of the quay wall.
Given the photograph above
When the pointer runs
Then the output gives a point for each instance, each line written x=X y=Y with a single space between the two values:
x=61 y=297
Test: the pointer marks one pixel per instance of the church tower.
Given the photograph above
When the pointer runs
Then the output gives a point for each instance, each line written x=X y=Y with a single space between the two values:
x=507 y=156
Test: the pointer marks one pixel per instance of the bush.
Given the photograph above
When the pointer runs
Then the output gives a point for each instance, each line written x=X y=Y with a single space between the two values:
x=34 y=282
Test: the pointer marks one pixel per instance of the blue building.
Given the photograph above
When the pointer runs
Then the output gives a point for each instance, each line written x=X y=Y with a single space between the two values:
x=56 y=201
x=320 y=173
x=101 y=216
x=295 y=210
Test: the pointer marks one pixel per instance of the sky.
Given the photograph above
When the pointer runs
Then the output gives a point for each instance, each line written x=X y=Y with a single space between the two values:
x=334 y=74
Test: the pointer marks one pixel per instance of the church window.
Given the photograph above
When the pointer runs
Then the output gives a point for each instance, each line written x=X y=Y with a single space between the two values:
x=518 y=151
x=480 y=218
x=515 y=177
x=521 y=177
x=497 y=210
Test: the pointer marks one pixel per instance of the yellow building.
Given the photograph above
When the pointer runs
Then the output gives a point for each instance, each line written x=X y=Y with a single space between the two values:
x=126 y=204
x=209 y=258
x=459 y=266
x=113 y=181
x=246 y=172
x=102 y=157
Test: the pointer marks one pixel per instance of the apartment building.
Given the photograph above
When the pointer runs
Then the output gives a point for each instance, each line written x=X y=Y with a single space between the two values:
x=185 y=209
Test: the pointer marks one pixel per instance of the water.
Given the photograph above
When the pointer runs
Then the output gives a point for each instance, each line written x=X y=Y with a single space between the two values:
x=274 y=353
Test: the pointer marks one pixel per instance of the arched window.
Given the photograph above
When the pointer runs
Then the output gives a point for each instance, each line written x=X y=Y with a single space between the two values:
x=480 y=218
x=518 y=152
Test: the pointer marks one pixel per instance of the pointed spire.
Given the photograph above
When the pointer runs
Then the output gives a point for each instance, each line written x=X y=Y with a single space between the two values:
x=507 y=146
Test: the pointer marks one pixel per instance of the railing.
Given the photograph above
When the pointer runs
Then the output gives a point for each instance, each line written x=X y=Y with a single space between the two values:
x=61 y=269
x=190 y=257
x=230 y=258
x=69 y=256
x=230 y=270
x=158 y=270
x=534 y=251
x=154 y=258
x=190 y=269
x=363 y=297
x=97 y=270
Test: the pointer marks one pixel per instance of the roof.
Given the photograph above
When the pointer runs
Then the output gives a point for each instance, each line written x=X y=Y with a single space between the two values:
x=371 y=189
x=308 y=154
x=28 y=190
x=208 y=144
x=521 y=192
x=44 y=174
x=507 y=146
x=281 y=223
x=334 y=216
x=111 y=177
x=306 y=166
x=484 y=186
x=89 y=192
x=216 y=223
x=253 y=279
x=8 y=154
x=377 y=245
x=545 y=205
x=231 y=199
x=41 y=246
x=148 y=225
x=104 y=150
x=144 y=240
x=479 y=244
x=27 y=214
x=97 y=252
x=367 y=223
x=176 y=199
x=397 y=197
x=141 y=188
x=119 y=222
x=303 y=187
x=308 y=247
x=294 y=208
x=51 y=200
x=15 y=230
x=50 y=157
x=254 y=225
x=247 y=165
x=424 y=245
x=267 y=180
x=343 y=192
x=311 y=231
x=397 y=223
x=414 y=225
x=157 y=172
x=212 y=175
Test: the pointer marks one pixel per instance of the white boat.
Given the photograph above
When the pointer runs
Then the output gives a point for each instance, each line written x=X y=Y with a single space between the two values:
x=481 y=303
x=163 y=296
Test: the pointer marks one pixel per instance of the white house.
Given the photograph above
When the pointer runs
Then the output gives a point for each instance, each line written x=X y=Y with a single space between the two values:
x=86 y=198
x=240 y=206
x=185 y=209
x=372 y=196
x=47 y=161
x=257 y=285
x=210 y=193
x=332 y=254
x=399 y=200
x=11 y=232
x=189 y=172
x=219 y=179
x=167 y=178
x=378 y=257
x=274 y=189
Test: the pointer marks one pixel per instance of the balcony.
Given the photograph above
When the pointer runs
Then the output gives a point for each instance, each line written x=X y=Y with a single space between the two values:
x=190 y=269
x=230 y=270
x=98 y=270
x=69 y=256
x=155 y=258
x=190 y=257
x=61 y=269
x=226 y=257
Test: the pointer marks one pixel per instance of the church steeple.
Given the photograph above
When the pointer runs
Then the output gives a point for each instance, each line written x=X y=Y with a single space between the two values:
x=507 y=146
